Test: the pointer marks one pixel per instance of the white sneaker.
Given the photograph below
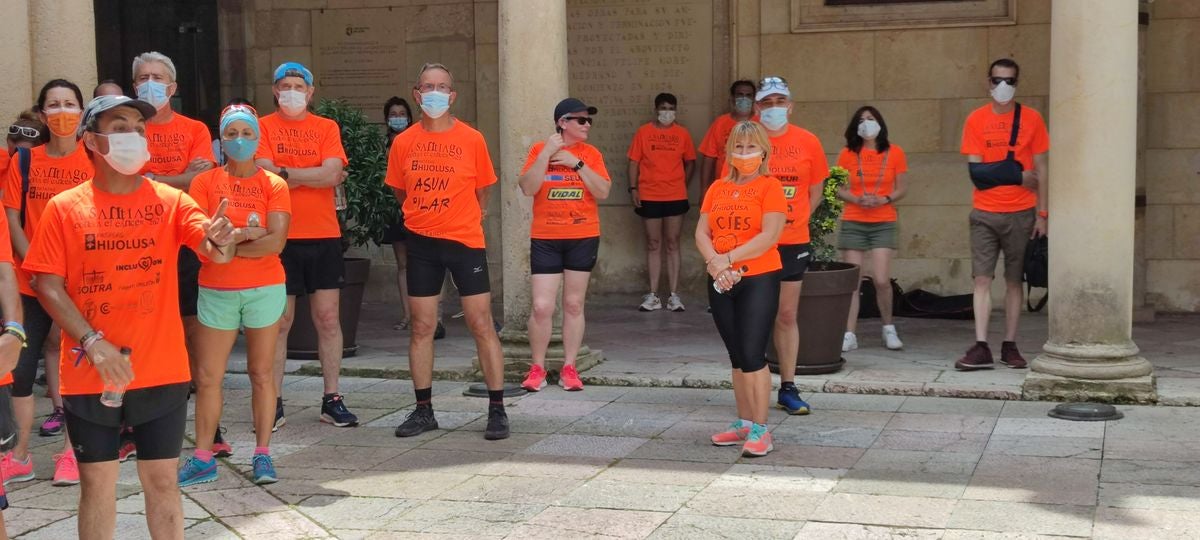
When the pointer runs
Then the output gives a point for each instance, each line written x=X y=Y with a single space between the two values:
x=890 y=339
x=674 y=303
x=650 y=302
x=849 y=342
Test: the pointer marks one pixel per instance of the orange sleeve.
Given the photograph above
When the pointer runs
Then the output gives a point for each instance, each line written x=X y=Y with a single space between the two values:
x=846 y=160
x=331 y=144
x=6 y=254
x=820 y=168
x=12 y=184
x=773 y=198
x=972 y=138
x=46 y=251
x=188 y=219
x=689 y=149
x=635 y=152
x=595 y=160
x=706 y=204
x=708 y=145
x=395 y=167
x=485 y=173
x=1040 y=143
x=280 y=198
x=199 y=189
x=532 y=155
x=900 y=159
x=201 y=143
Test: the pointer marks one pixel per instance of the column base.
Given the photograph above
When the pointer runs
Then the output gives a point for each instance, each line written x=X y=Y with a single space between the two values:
x=1047 y=387
x=518 y=356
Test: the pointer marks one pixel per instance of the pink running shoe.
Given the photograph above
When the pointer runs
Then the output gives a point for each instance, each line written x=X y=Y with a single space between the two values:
x=758 y=442
x=15 y=471
x=734 y=434
x=536 y=380
x=66 y=469
x=569 y=379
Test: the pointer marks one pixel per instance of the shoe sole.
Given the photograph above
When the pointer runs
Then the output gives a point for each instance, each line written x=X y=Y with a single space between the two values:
x=723 y=444
x=793 y=412
x=854 y=348
x=644 y=310
x=18 y=479
x=751 y=453
x=64 y=483
x=329 y=420
x=495 y=436
x=223 y=453
x=130 y=456
x=969 y=367
x=43 y=433
x=573 y=389
x=265 y=480
x=1010 y=366
x=279 y=423
x=535 y=389
x=191 y=483
x=430 y=427
x=676 y=310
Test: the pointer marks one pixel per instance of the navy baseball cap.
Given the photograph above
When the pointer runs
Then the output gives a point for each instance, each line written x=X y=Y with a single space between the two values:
x=571 y=105
x=91 y=113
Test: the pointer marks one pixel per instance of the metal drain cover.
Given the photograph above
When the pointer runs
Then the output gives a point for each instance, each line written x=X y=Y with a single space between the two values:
x=1086 y=412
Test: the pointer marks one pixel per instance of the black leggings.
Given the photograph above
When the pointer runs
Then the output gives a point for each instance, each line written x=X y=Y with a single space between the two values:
x=745 y=316
x=37 y=330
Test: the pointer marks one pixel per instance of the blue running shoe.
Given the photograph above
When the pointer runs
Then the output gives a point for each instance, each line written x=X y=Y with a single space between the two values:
x=195 y=471
x=789 y=400
x=264 y=470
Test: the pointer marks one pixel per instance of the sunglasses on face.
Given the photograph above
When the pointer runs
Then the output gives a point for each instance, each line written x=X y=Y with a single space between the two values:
x=1012 y=81
x=27 y=132
x=583 y=120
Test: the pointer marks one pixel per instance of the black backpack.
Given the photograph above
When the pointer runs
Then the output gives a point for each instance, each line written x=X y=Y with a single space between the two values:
x=1037 y=271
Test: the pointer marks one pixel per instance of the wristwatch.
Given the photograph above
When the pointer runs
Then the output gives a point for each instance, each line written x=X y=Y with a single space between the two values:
x=283 y=173
x=888 y=198
x=579 y=165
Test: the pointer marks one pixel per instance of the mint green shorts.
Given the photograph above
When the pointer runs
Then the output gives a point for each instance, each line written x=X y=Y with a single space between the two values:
x=258 y=307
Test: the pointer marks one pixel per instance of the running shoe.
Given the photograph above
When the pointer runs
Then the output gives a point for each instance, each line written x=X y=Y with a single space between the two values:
x=264 y=470
x=334 y=411
x=128 y=450
x=419 y=421
x=735 y=433
x=979 y=356
x=569 y=379
x=849 y=342
x=195 y=471
x=220 y=448
x=66 y=469
x=650 y=302
x=54 y=423
x=497 y=425
x=280 y=419
x=891 y=339
x=758 y=442
x=674 y=303
x=789 y=400
x=440 y=331
x=14 y=470
x=535 y=380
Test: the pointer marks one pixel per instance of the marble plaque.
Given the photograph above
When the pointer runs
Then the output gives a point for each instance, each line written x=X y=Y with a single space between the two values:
x=844 y=15
x=624 y=52
x=359 y=56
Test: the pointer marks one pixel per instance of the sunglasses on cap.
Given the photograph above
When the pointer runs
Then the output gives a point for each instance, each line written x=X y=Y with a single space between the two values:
x=24 y=131
x=1012 y=81
x=583 y=120
x=773 y=83
x=239 y=107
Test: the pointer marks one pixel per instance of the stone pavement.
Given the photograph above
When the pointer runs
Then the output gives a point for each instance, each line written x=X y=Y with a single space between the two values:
x=683 y=349
x=622 y=462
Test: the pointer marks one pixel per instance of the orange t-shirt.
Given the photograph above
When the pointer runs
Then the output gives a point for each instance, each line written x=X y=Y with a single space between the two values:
x=48 y=176
x=563 y=208
x=439 y=173
x=713 y=143
x=734 y=215
x=799 y=162
x=300 y=145
x=987 y=134
x=868 y=180
x=257 y=195
x=118 y=255
x=6 y=256
x=174 y=144
x=660 y=153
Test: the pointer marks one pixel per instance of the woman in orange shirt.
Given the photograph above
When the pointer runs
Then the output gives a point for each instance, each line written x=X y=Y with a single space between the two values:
x=248 y=292
x=877 y=180
x=565 y=176
x=741 y=219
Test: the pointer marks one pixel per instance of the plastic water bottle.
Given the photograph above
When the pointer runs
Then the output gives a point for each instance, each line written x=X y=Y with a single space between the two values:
x=339 y=197
x=739 y=272
x=114 y=394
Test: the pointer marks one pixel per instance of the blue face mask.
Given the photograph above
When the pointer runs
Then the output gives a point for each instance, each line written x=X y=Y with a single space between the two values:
x=239 y=149
x=398 y=123
x=154 y=93
x=435 y=103
x=773 y=118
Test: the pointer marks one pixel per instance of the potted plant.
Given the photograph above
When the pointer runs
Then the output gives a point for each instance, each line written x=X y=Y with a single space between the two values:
x=370 y=209
x=829 y=286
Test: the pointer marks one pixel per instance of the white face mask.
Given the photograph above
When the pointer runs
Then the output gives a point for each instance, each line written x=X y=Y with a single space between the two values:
x=293 y=101
x=435 y=103
x=666 y=117
x=868 y=129
x=1003 y=93
x=127 y=152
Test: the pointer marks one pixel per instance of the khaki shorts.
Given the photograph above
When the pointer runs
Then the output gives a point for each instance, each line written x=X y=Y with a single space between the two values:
x=993 y=232
x=864 y=236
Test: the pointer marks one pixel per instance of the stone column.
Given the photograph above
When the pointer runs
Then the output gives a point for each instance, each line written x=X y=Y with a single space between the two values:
x=533 y=78
x=16 y=86
x=64 y=43
x=1090 y=354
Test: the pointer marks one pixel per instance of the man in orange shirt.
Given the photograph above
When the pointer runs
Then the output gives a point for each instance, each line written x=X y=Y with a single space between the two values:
x=12 y=338
x=712 y=146
x=306 y=150
x=104 y=255
x=441 y=173
x=1004 y=217
x=661 y=159
x=799 y=162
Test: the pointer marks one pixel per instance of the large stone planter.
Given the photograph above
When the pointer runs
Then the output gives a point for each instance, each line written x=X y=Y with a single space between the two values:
x=824 y=305
x=302 y=339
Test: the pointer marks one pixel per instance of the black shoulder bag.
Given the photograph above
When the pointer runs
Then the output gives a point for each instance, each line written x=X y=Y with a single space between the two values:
x=23 y=159
x=1006 y=172
x=1037 y=271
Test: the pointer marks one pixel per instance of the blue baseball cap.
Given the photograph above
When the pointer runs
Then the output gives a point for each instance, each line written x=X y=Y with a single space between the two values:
x=91 y=113
x=293 y=69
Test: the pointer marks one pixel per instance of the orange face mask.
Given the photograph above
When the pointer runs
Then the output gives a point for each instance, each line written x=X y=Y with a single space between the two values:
x=746 y=163
x=63 y=124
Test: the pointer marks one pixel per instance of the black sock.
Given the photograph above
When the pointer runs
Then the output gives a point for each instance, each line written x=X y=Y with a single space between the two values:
x=1008 y=344
x=982 y=344
x=424 y=395
x=496 y=397
x=279 y=401
x=786 y=385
